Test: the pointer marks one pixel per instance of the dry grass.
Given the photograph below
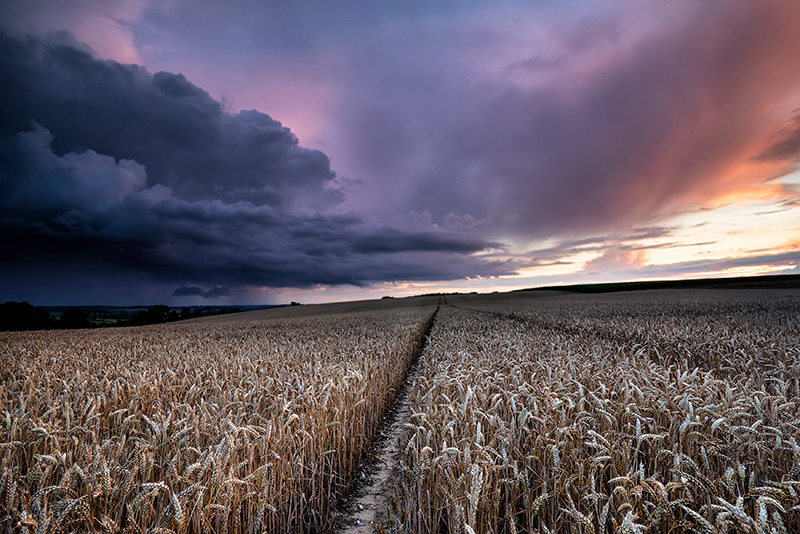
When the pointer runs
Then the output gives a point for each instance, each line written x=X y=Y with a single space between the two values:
x=227 y=428
x=654 y=413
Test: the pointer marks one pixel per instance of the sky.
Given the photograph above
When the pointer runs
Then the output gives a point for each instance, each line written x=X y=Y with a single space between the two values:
x=260 y=152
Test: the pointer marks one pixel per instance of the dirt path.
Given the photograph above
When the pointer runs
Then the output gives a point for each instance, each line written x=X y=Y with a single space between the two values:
x=366 y=509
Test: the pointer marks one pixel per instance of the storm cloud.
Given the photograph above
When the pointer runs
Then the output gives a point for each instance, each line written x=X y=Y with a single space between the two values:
x=191 y=291
x=128 y=173
x=185 y=138
x=441 y=141
x=614 y=118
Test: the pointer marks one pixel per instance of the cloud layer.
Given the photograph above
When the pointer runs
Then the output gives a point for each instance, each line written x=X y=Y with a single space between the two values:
x=564 y=134
x=186 y=140
x=106 y=165
x=610 y=118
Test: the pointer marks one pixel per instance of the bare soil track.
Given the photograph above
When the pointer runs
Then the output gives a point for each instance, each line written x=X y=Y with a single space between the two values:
x=365 y=510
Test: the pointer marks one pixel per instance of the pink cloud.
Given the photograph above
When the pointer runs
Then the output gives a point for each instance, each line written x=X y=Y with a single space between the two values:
x=615 y=260
x=622 y=126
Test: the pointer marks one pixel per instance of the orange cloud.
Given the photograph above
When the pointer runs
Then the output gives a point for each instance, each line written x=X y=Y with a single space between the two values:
x=615 y=260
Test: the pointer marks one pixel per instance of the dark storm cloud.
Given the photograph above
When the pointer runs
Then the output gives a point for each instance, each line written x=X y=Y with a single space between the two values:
x=89 y=208
x=391 y=240
x=184 y=138
x=105 y=168
x=194 y=291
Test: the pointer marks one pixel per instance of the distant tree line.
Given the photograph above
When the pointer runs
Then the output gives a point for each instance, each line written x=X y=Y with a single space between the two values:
x=26 y=316
x=74 y=318
x=164 y=314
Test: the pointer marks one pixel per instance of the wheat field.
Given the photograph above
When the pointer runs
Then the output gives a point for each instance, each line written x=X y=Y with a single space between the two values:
x=656 y=412
x=653 y=411
x=230 y=428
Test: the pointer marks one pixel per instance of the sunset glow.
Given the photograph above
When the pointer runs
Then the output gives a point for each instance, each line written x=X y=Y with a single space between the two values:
x=266 y=152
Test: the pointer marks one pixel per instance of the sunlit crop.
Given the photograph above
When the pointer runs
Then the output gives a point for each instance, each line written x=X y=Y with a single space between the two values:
x=226 y=428
x=654 y=413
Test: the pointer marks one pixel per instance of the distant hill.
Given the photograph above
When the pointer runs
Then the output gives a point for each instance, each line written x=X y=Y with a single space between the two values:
x=782 y=281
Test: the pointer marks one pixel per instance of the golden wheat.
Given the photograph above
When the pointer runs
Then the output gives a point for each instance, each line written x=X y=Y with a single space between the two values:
x=182 y=428
x=657 y=412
